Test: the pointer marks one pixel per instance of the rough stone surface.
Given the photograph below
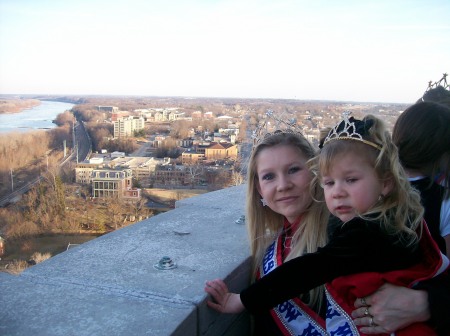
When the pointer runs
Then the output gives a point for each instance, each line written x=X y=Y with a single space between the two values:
x=110 y=286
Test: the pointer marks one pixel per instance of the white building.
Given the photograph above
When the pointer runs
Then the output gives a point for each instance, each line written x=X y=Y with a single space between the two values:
x=126 y=126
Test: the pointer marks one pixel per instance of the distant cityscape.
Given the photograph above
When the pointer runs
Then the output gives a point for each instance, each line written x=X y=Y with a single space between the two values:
x=115 y=161
x=206 y=155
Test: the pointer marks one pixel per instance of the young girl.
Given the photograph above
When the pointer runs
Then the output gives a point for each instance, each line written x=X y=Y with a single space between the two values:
x=377 y=231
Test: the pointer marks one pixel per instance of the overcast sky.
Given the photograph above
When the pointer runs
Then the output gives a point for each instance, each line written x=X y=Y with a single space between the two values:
x=367 y=51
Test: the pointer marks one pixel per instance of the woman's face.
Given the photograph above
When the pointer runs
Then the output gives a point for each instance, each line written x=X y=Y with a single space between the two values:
x=283 y=180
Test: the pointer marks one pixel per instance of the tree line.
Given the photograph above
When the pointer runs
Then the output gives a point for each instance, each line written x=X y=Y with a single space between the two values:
x=23 y=156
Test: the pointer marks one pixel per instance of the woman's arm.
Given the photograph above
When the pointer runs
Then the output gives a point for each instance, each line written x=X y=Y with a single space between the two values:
x=438 y=289
x=391 y=308
x=394 y=307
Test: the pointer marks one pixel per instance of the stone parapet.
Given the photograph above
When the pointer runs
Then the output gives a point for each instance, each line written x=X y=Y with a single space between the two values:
x=110 y=285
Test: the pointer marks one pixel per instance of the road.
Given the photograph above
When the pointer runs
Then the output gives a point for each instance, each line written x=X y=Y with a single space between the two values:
x=17 y=194
x=83 y=142
x=143 y=150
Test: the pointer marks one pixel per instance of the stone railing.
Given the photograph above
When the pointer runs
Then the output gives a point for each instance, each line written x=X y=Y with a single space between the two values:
x=114 y=285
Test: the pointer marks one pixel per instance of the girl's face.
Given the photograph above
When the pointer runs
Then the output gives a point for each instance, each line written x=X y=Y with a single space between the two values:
x=351 y=186
x=283 y=180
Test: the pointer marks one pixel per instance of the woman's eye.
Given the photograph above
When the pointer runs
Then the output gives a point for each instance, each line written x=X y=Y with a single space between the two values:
x=267 y=177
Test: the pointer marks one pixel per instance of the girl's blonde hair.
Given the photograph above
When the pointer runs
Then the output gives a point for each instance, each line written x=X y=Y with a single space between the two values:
x=264 y=224
x=399 y=212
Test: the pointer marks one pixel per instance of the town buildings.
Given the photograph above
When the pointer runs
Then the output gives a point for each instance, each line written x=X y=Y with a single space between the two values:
x=209 y=149
x=127 y=126
x=114 y=184
x=107 y=182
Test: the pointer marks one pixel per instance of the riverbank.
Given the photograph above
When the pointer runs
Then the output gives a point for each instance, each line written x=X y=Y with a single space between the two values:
x=19 y=252
x=21 y=116
x=171 y=195
x=17 y=105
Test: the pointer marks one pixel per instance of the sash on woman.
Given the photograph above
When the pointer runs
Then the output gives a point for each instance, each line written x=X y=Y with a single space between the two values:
x=293 y=317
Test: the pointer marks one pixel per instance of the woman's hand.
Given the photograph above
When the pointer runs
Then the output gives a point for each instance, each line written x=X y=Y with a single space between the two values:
x=390 y=308
x=225 y=302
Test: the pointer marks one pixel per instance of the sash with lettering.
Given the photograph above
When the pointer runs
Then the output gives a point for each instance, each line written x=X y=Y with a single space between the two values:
x=342 y=292
x=293 y=317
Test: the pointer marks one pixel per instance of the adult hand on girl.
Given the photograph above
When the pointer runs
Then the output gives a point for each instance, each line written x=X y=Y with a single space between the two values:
x=390 y=308
x=225 y=302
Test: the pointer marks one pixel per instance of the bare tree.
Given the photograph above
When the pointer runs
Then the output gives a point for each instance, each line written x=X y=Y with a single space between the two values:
x=16 y=267
x=236 y=177
x=30 y=199
x=40 y=257
x=179 y=129
x=139 y=208
x=64 y=118
x=19 y=150
x=20 y=228
x=115 y=206
x=193 y=174
x=218 y=179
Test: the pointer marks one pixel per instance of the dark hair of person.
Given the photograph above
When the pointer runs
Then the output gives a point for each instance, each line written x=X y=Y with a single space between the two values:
x=422 y=135
x=436 y=95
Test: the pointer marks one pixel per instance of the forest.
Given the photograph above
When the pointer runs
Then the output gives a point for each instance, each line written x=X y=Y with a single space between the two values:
x=16 y=105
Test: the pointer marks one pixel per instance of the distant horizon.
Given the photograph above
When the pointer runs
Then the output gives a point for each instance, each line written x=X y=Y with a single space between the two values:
x=353 y=51
x=38 y=95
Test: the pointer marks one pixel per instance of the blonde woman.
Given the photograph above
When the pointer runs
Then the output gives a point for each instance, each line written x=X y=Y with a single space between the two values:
x=284 y=222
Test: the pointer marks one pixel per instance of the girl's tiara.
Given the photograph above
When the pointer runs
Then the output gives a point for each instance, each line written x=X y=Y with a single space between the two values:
x=273 y=124
x=351 y=129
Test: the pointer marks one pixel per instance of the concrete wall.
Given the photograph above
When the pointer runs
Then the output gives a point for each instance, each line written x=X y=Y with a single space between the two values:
x=109 y=286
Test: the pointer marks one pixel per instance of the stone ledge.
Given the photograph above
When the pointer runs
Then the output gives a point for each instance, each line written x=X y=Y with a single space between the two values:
x=109 y=286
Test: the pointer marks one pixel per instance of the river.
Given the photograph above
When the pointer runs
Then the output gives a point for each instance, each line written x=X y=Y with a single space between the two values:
x=38 y=117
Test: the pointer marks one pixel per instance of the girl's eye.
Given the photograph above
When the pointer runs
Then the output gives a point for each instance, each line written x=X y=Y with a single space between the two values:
x=327 y=183
x=267 y=177
x=351 y=180
x=293 y=170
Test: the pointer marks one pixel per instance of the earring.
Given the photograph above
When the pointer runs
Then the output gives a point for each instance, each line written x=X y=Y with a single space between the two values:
x=263 y=201
x=380 y=198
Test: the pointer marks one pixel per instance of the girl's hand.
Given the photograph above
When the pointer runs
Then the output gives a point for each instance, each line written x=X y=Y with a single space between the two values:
x=225 y=302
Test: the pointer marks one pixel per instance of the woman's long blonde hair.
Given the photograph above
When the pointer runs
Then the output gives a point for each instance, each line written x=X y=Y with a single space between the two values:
x=400 y=211
x=264 y=224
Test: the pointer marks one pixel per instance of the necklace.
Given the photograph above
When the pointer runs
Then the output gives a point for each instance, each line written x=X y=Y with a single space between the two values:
x=287 y=234
x=287 y=239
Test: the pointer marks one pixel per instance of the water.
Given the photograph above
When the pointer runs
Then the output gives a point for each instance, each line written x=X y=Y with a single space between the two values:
x=38 y=117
